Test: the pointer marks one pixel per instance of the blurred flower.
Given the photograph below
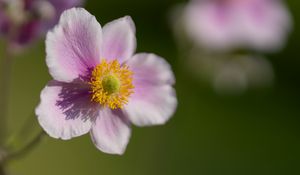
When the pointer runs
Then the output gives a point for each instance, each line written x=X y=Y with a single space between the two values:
x=226 y=25
x=22 y=21
x=233 y=74
x=99 y=85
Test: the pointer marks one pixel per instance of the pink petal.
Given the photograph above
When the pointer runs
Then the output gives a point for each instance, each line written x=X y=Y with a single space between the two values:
x=154 y=99
x=74 y=45
x=119 y=41
x=150 y=69
x=226 y=25
x=65 y=110
x=209 y=24
x=111 y=131
x=264 y=24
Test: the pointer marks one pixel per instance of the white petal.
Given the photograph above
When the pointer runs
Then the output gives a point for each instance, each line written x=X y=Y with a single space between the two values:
x=119 y=41
x=74 y=45
x=265 y=26
x=65 y=110
x=111 y=131
x=153 y=107
x=150 y=69
x=154 y=100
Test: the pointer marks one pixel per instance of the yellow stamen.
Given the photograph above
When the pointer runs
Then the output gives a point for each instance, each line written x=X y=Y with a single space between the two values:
x=111 y=84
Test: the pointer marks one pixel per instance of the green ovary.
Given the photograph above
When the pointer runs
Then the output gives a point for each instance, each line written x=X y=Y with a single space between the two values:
x=111 y=84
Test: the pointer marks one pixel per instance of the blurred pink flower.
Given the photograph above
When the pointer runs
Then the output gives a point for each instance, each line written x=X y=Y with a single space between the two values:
x=22 y=21
x=238 y=24
x=100 y=86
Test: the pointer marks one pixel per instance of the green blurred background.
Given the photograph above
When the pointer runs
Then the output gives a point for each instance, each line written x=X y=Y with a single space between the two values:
x=254 y=133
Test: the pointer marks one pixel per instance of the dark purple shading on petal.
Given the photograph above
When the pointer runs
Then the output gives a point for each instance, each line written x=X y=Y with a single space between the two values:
x=65 y=110
x=75 y=101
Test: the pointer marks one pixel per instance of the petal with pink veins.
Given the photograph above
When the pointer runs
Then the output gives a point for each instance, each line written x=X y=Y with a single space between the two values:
x=111 y=131
x=74 y=46
x=119 y=41
x=65 y=110
x=154 y=99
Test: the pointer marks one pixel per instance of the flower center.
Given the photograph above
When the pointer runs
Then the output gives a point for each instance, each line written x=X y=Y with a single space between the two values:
x=111 y=84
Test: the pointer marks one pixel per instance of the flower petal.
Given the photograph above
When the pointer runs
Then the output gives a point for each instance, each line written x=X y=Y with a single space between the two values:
x=150 y=69
x=74 y=45
x=264 y=25
x=65 y=110
x=119 y=41
x=59 y=6
x=226 y=25
x=154 y=99
x=209 y=24
x=111 y=131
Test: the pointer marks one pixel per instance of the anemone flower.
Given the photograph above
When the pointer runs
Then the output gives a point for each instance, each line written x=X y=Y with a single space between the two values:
x=260 y=25
x=100 y=86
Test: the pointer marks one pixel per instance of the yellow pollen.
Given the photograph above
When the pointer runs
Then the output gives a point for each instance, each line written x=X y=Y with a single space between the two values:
x=111 y=84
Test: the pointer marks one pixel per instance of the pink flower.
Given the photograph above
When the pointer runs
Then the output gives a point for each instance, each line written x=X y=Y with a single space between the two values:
x=238 y=24
x=100 y=86
x=23 y=21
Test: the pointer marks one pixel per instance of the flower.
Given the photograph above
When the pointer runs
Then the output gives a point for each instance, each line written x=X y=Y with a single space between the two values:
x=22 y=21
x=260 y=25
x=100 y=86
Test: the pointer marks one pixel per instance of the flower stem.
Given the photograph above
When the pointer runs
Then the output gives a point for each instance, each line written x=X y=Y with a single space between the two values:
x=26 y=149
x=5 y=77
